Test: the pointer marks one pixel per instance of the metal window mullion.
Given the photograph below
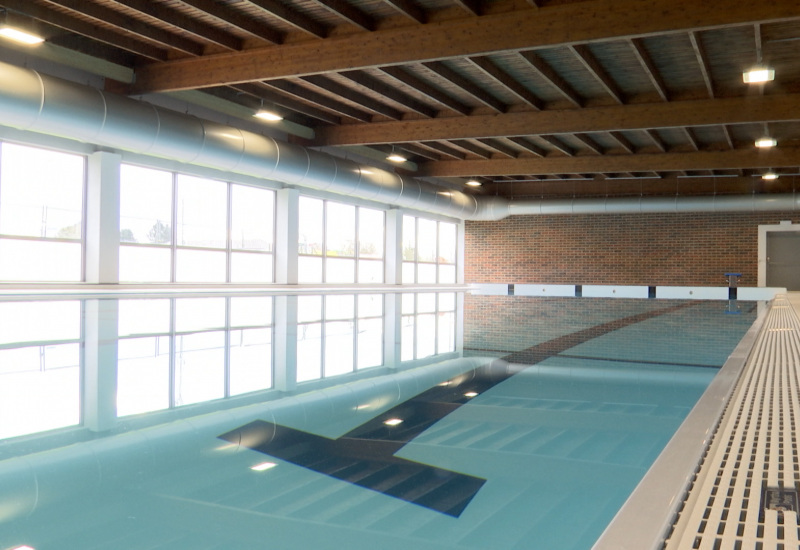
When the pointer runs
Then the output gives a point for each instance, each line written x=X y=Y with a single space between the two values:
x=229 y=235
x=324 y=244
x=174 y=232
x=84 y=200
x=322 y=330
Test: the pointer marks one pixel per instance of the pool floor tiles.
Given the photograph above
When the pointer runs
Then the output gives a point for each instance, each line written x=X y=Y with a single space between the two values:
x=745 y=494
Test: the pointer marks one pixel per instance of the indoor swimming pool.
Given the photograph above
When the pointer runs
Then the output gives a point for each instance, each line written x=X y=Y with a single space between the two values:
x=348 y=420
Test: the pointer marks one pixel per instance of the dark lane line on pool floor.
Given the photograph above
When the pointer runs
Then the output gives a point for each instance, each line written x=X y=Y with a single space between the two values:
x=365 y=456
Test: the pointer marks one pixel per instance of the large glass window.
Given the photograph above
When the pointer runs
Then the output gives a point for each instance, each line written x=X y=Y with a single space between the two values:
x=340 y=243
x=429 y=251
x=180 y=228
x=41 y=214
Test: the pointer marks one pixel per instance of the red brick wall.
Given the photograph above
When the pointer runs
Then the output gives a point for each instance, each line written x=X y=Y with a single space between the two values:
x=624 y=249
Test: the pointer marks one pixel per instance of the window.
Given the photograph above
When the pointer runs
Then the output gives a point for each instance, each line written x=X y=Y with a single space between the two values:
x=41 y=214
x=428 y=325
x=338 y=334
x=429 y=251
x=340 y=243
x=212 y=232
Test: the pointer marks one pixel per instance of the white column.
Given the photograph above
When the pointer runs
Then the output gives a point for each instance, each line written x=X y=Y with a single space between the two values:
x=100 y=364
x=287 y=235
x=460 y=251
x=102 y=218
x=393 y=266
x=392 y=329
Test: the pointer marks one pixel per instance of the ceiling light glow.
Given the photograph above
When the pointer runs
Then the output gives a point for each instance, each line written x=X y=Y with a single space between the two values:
x=766 y=142
x=474 y=183
x=393 y=421
x=757 y=75
x=270 y=116
x=20 y=36
x=394 y=157
x=769 y=176
x=471 y=394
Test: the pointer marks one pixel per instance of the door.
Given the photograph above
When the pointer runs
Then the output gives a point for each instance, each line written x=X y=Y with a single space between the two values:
x=783 y=259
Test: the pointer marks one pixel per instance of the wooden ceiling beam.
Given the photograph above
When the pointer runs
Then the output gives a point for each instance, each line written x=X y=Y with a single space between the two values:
x=649 y=67
x=471 y=147
x=571 y=23
x=587 y=58
x=350 y=13
x=691 y=138
x=549 y=74
x=472 y=6
x=201 y=30
x=89 y=30
x=292 y=17
x=132 y=26
x=390 y=92
x=409 y=9
x=528 y=146
x=657 y=141
x=319 y=100
x=269 y=95
x=558 y=144
x=703 y=112
x=626 y=144
x=590 y=143
x=507 y=81
x=502 y=148
x=443 y=149
x=467 y=85
x=702 y=61
x=401 y=75
x=777 y=157
x=236 y=19
x=330 y=85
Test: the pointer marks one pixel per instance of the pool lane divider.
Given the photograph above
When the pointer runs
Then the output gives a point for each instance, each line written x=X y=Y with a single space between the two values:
x=366 y=455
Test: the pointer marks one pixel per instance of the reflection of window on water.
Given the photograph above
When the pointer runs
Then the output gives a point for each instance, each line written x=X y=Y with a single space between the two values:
x=338 y=334
x=39 y=382
x=428 y=325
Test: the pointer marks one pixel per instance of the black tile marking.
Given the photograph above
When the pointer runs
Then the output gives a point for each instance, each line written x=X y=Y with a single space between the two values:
x=365 y=456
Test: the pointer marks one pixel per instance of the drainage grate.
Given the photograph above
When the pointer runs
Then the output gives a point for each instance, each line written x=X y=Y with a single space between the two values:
x=744 y=495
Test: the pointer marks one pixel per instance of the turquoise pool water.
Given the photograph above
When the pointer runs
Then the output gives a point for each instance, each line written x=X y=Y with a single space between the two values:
x=532 y=439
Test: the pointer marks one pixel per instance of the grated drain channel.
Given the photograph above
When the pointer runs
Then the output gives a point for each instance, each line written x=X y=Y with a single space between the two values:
x=745 y=494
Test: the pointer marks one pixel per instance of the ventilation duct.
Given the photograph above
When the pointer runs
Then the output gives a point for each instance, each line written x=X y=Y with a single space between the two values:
x=40 y=103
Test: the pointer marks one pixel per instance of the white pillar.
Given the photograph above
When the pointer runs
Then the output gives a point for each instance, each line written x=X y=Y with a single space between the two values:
x=460 y=251
x=102 y=218
x=287 y=235
x=393 y=266
x=100 y=364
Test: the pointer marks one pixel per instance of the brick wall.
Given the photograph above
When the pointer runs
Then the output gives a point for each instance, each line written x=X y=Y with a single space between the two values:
x=624 y=249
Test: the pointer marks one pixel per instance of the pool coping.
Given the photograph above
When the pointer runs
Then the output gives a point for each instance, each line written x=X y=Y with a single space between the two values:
x=646 y=517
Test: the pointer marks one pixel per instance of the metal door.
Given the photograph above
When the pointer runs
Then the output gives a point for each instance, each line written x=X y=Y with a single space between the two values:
x=783 y=259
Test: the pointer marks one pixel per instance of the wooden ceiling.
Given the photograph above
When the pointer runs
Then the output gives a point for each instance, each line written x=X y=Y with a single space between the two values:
x=532 y=98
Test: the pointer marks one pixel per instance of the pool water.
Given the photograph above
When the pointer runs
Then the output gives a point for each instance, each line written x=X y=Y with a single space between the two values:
x=533 y=439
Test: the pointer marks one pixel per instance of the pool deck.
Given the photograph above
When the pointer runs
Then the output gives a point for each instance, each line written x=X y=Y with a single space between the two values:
x=744 y=492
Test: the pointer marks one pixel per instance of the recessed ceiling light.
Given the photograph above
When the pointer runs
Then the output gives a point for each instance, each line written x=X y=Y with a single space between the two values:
x=394 y=157
x=18 y=35
x=757 y=75
x=270 y=116
x=766 y=142
x=474 y=183
x=393 y=421
x=471 y=394
x=263 y=466
x=769 y=176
